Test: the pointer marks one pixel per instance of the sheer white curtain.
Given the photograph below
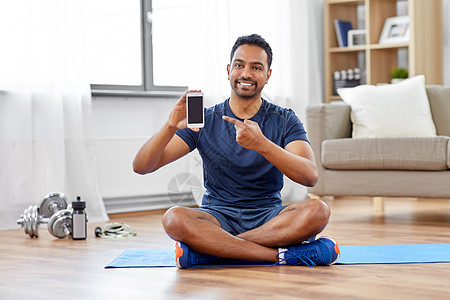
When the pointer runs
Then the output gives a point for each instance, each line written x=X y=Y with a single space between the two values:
x=45 y=109
x=294 y=30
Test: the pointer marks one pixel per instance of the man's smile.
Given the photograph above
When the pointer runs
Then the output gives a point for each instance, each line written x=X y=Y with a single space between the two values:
x=245 y=84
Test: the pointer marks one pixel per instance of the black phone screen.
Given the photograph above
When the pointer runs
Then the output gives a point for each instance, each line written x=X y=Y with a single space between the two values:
x=195 y=110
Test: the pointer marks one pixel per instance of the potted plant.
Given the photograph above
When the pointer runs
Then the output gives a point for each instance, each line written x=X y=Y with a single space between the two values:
x=399 y=74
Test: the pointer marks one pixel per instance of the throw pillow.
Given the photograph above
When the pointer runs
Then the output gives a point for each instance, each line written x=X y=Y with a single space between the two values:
x=392 y=110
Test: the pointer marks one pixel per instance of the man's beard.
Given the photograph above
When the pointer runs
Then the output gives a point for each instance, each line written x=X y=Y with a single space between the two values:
x=246 y=94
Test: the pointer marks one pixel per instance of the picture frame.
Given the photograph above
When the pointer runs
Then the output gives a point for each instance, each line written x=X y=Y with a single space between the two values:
x=395 y=30
x=356 y=37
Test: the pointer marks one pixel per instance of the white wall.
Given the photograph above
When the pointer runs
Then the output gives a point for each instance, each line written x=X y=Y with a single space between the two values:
x=129 y=117
x=123 y=125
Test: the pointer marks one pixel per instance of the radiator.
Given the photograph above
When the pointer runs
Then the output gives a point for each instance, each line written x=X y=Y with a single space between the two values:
x=123 y=190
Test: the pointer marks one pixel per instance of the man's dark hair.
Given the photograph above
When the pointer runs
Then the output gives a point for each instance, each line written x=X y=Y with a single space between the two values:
x=256 y=40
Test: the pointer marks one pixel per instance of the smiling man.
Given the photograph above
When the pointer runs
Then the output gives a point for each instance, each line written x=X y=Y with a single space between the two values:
x=246 y=146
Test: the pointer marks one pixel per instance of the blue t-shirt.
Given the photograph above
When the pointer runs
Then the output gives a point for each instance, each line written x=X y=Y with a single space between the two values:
x=233 y=175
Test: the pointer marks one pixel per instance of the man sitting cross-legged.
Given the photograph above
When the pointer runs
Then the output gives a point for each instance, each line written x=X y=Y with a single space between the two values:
x=246 y=145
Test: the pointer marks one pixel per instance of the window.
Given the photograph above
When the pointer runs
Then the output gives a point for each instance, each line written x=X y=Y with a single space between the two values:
x=135 y=46
x=170 y=20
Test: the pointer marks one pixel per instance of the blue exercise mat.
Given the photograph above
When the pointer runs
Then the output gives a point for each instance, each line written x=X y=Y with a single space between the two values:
x=152 y=258
x=350 y=255
x=394 y=254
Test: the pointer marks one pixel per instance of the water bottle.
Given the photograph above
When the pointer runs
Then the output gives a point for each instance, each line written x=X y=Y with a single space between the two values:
x=79 y=220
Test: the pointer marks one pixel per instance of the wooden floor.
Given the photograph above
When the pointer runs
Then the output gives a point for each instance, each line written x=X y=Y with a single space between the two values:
x=47 y=268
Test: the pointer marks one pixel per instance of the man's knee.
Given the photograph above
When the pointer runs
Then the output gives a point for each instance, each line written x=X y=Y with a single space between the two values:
x=314 y=210
x=173 y=219
x=320 y=211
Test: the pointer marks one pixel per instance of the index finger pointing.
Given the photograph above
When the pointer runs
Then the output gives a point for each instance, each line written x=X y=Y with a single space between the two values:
x=233 y=121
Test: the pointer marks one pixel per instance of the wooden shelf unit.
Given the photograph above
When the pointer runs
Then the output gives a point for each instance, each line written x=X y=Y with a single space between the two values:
x=424 y=49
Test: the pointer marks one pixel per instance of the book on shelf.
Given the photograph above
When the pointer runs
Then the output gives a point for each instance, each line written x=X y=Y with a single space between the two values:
x=342 y=27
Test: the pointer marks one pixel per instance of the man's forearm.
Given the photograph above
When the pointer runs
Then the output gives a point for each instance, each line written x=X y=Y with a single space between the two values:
x=149 y=156
x=298 y=168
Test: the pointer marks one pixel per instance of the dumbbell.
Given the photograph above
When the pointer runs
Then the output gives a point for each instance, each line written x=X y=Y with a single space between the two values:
x=53 y=211
x=52 y=203
x=55 y=207
x=30 y=221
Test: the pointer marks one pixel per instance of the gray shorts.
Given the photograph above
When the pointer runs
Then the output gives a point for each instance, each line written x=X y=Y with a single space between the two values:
x=237 y=220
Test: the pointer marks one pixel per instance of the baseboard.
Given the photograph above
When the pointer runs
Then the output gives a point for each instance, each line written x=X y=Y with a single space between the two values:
x=147 y=202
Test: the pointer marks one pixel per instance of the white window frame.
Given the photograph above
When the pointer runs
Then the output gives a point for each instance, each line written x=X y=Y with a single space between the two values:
x=147 y=88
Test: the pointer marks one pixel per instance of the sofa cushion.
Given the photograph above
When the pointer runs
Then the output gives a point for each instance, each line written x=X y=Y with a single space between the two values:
x=392 y=110
x=386 y=154
x=439 y=97
x=448 y=155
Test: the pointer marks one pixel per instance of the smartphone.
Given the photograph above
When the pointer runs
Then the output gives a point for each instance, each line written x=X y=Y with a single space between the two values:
x=194 y=110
